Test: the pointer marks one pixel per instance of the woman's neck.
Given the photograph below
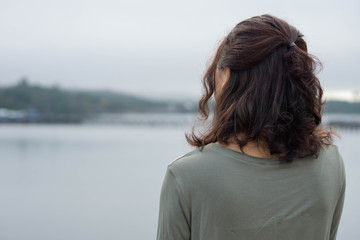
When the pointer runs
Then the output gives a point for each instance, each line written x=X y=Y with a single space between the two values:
x=251 y=148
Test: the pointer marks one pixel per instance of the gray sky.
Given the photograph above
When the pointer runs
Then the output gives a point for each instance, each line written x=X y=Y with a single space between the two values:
x=158 y=48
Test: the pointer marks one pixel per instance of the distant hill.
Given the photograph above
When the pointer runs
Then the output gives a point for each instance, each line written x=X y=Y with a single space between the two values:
x=57 y=100
x=54 y=104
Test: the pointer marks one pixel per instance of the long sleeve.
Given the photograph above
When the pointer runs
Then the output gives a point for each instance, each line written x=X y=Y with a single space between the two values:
x=337 y=215
x=173 y=223
x=340 y=203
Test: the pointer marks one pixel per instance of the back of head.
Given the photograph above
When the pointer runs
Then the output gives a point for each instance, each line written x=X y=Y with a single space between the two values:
x=272 y=97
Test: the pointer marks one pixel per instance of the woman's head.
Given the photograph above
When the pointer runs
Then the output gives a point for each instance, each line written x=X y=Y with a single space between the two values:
x=265 y=88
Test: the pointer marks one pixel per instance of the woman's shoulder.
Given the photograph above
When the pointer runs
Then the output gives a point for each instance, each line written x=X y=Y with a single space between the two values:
x=329 y=163
x=330 y=152
x=192 y=161
x=328 y=157
x=188 y=158
x=330 y=148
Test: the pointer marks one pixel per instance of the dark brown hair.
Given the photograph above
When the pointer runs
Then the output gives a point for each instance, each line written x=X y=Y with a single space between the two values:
x=272 y=97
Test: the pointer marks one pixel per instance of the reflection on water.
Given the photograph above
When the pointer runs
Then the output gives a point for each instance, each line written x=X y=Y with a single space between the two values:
x=96 y=181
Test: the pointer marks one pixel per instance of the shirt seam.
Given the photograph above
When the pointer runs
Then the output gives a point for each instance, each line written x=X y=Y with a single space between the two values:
x=341 y=168
x=181 y=192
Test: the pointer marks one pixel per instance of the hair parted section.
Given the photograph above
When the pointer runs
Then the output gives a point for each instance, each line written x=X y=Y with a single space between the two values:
x=272 y=97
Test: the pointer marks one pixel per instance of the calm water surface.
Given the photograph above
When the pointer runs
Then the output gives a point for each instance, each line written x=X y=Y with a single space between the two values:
x=103 y=182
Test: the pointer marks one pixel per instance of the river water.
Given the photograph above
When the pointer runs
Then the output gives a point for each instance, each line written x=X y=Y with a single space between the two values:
x=102 y=181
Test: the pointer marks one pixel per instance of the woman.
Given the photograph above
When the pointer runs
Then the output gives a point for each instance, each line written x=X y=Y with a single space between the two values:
x=265 y=168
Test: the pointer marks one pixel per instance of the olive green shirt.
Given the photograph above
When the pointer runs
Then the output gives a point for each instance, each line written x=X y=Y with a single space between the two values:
x=222 y=194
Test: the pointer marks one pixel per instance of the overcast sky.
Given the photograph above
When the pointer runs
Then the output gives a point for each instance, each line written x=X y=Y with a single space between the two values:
x=158 y=48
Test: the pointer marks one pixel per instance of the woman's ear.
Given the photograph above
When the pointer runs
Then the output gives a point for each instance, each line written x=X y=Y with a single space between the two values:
x=225 y=77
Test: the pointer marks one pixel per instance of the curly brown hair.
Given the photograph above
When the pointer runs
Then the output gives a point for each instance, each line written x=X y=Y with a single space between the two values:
x=272 y=96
